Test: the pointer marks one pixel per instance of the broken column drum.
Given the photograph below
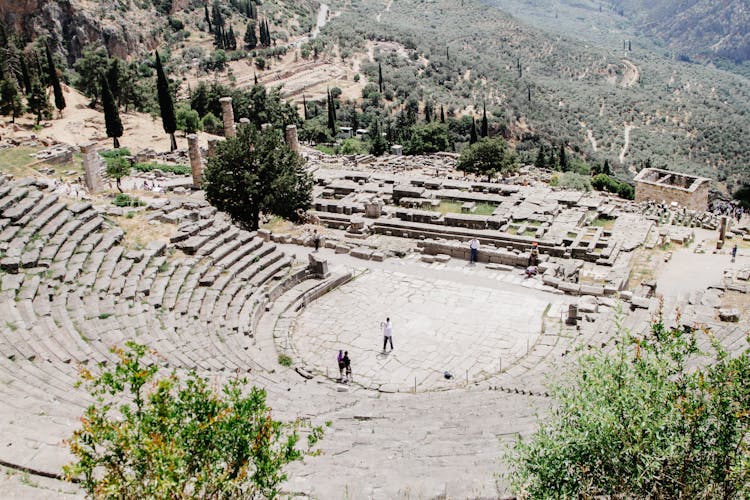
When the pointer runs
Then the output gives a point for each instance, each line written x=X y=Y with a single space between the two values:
x=92 y=165
x=227 y=115
x=212 y=146
x=196 y=164
x=290 y=134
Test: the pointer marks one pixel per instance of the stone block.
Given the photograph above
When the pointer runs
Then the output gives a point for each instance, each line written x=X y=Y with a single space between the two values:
x=500 y=267
x=641 y=302
x=731 y=315
x=361 y=253
x=429 y=259
x=597 y=290
x=587 y=303
x=441 y=257
x=378 y=256
x=571 y=288
x=342 y=249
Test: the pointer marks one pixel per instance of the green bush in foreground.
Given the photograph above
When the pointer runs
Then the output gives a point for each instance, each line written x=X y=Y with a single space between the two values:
x=124 y=200
x=151 y=437
x=642 y=422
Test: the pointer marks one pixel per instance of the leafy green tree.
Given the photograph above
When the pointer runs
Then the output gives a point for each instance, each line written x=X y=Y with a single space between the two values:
x=38 y=101
x=54 y=81
x=428 y=138
x=90 y=67
x=118 y=167
x=10 y=99
x=211 y=123
x=166 y=105
x=188 y=119
x=111 y=114
x=257 y=172
x=315 y=130
x=352 y=146
x=487 y=157
x=654 y=418
x=147 y=436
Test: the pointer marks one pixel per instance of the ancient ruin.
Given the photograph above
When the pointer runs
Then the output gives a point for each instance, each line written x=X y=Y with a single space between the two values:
x=665 y=186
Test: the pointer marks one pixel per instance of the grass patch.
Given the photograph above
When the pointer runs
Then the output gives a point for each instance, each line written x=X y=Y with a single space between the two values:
x=529 y=232
x=604 y=223
x=329 y=150
x=15 y=161
x=175 y=169
x=104 y=315
x=454 y=207
x=285 y=360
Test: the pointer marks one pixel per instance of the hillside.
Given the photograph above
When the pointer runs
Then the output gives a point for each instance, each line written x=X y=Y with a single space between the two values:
x=706 y=28
x=606 y=102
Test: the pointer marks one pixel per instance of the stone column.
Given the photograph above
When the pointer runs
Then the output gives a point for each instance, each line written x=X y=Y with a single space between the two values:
x=227 y=114
x=212 y=146
x=291 y=137
x=196 y=165
x=91 y=166
x=723 y=228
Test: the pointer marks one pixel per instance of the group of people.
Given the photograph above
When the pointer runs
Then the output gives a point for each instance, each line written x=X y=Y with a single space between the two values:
x=729 y=208
x=345 y=363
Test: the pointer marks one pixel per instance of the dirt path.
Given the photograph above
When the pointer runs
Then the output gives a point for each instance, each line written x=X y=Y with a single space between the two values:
x=322 y=18
x=631 y=76
x=592 y=139
x=625 y=147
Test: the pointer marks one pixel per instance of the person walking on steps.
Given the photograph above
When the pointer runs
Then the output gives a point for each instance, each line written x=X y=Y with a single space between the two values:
x=387 y=333
x=316 y=240
x=474 y=248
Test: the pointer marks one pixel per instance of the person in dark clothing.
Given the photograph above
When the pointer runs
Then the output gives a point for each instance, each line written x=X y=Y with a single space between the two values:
x=347 y=365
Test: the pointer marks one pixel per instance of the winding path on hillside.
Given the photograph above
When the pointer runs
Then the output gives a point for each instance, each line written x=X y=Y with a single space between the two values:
x=625 y=147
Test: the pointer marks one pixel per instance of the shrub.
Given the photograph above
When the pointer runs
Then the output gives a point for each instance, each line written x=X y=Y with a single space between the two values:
x=175 y=169
x=124 y=200
x=211 y=123
x=572 y=180
x=150 y=437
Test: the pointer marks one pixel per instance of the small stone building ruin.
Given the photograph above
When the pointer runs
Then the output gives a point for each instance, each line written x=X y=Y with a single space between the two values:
x=654 y=184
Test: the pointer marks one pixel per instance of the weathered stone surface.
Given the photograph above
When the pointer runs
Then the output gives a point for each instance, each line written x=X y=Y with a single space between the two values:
x=731 y=315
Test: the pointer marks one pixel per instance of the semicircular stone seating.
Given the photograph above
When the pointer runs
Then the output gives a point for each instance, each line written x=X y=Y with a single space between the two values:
x=71 y=288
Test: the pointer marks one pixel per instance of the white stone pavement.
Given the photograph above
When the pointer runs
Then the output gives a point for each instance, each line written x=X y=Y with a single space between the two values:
x=466 y=320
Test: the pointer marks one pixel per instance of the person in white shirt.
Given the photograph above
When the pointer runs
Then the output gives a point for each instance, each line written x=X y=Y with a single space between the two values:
x=387 y=333
x=474 y=247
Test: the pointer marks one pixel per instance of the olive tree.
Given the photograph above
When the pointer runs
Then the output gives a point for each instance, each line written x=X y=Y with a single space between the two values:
x=656 y=418
x=152 y=436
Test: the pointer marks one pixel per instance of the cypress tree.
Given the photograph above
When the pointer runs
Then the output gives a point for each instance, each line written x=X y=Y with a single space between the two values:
x=427 y=112
x=166 y=106
x=563 y=159
x=605 y=168
x=232 y=45
x=442 y=114
x=37 y=100
x=251 y=41
x=331 y=114
x=10 y=99
x=473 y=133
x=111 y=114
x=255 y=78
x=208 y=18
x=25 y=75
x=541 y=161
x=304 y=107
x=55 y=81
x=114 y=79
x=380 y=77
x=485 y=125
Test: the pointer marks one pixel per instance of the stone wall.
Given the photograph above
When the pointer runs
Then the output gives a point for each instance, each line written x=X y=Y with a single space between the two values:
x=653 y=184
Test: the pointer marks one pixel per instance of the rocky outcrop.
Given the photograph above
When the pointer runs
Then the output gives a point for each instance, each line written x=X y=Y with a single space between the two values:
x=71 y=26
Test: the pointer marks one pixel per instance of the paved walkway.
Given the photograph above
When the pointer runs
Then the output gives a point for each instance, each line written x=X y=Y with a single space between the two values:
x=466 y=320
